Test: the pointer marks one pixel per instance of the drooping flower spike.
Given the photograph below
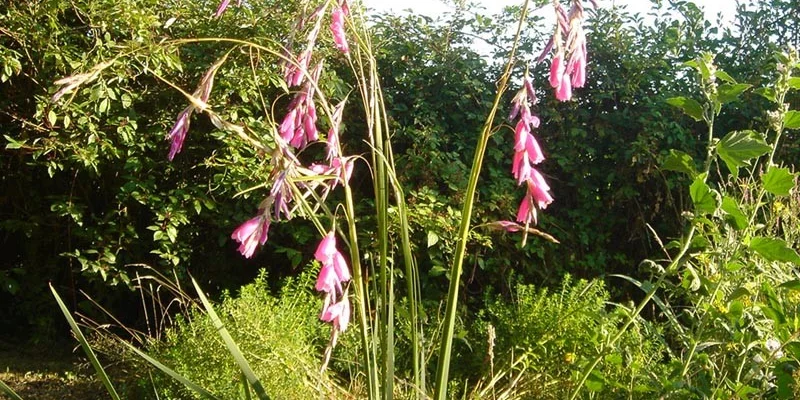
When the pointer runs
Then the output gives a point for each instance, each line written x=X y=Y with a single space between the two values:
x=528 y=153
x=568 y=67
x=199 y=102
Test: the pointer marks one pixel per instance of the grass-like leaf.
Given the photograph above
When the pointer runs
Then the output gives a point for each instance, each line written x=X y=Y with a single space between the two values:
x=233 y=348
x=178 y=377
x=8 y=391
x=101 y=373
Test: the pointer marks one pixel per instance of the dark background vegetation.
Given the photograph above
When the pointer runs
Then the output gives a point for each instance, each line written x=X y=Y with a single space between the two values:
x=87 y=197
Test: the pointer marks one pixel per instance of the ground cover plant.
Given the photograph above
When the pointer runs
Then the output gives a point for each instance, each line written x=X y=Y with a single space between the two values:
x=297 y=139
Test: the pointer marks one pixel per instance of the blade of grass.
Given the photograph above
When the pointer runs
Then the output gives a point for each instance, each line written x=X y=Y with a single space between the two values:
x=8 y=392
x=233 y=348
x=174 y=375
x=86 y=348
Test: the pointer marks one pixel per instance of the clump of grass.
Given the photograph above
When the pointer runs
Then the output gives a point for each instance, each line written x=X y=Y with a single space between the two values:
x=279 y=335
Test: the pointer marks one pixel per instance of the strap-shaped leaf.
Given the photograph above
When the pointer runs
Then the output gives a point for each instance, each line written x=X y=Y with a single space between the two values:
x=233 y=348
x=101 y=373
x=5 y=389
x=174 y=375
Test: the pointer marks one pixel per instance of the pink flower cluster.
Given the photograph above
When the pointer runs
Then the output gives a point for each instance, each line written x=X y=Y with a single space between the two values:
x=337 y=26
x=334 y=272
x=528 y=153
x=299 y=126
x=298 y=129
x=568 y=68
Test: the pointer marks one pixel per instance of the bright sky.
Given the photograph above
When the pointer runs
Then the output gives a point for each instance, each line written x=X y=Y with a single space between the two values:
x=435 y=7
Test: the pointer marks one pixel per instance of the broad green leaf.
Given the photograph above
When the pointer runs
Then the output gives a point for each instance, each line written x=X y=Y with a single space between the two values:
x=702 y=196
x=101 y=372
x=595 y=381
x=791 y=120
x=680 y=162
x=767 y=93
x=725 y=77
x=728 y=93
x=433 y=238
x=736 y=310
x=737 y=148
x=774 y=249
x=778 y=181
x=689 y=106
x=794 y=82
x=732 y=209
x=738 y=293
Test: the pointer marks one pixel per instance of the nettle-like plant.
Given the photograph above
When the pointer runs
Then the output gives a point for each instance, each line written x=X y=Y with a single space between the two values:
x=732 y=315
x=307 y=168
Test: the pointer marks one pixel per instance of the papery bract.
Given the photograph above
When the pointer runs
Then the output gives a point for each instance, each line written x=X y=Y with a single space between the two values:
x=177 y=135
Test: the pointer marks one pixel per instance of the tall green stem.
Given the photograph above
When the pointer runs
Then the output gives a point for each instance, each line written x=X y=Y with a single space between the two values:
x=443 y=366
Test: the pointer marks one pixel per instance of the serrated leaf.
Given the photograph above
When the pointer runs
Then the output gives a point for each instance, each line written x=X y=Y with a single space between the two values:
x=732 y=209
x=791 y=120
x=794 y=82
x=702 y=196
x=773 y=249
x=737 y=148
x=728 y=93
x=767 y=93
x=778 y=181
x=689 y=106
x=725 y=77
x=679 y=161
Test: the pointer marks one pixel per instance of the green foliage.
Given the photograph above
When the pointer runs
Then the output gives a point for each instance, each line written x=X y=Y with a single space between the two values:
x=87 y=187
x=280 y=335
x=560 y=331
